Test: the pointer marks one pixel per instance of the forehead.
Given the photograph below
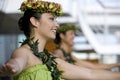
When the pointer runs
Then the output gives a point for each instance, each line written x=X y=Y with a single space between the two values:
x=48 y=15
x=70 y=31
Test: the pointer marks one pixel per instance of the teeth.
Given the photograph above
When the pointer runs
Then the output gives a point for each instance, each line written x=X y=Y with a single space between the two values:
x=54 y=31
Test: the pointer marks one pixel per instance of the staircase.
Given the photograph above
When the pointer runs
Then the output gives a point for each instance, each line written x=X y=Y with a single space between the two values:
x=99 y=37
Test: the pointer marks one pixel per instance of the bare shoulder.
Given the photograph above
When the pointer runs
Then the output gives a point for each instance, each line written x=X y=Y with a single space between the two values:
x=21 y=51
x=58 y=53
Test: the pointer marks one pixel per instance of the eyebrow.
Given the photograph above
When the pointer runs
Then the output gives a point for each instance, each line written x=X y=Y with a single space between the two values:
x=53 y=15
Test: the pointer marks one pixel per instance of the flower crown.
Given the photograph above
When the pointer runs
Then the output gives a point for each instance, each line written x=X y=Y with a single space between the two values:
x=41 y=7
x=65 y=27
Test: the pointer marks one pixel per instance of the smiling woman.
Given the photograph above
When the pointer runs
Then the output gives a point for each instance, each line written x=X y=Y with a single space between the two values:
x=31 y=61
x=39 y=25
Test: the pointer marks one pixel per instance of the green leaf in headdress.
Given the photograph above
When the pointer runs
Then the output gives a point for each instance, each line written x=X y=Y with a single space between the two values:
x=51 y=6
x=29 y=5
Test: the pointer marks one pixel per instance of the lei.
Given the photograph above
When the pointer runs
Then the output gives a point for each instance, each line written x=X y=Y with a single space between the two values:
x=41 y=7
x=68 y=57
x=46 y=58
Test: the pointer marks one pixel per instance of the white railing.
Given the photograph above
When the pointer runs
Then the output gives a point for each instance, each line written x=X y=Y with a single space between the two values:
x=94 y=42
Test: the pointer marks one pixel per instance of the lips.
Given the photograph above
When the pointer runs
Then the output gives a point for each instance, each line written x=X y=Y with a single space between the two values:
x=54 y=30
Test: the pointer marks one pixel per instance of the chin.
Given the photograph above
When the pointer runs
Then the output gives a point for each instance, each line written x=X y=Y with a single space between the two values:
x=72 y=44
x=52 y=37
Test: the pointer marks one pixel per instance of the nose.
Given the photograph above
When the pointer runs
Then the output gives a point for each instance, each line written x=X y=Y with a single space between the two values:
x=74 y=35
x=56 y=24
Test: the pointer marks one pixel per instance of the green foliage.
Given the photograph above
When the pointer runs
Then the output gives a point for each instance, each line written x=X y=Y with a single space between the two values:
x=68 y=57
x=65 y=27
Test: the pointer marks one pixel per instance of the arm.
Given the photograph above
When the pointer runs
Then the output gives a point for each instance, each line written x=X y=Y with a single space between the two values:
x=15 y=64
x=73 y=72
x=94 y=66
x=59 y=53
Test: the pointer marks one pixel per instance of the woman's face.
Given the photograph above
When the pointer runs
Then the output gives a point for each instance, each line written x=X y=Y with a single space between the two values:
x=47 y=26
x=69 y=37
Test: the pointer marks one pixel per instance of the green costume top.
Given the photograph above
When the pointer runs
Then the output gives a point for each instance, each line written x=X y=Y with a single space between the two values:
x=46 y=71
x=36 y=72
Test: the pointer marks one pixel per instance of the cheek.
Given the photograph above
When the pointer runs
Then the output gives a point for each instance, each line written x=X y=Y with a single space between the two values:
x=68 y=39
x=45 y=28
x=71 y=40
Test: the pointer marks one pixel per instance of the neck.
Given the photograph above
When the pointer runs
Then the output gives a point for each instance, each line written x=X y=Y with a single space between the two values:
x=41 y=42
x=66 y=47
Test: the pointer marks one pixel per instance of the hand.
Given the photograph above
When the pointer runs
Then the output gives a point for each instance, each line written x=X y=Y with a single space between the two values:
x=9 y=68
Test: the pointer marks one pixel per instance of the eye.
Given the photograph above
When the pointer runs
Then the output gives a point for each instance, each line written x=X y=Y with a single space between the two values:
x=52 y=18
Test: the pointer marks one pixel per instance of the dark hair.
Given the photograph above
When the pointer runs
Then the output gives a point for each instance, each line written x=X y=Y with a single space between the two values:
x=24 y=22
x=58 y=39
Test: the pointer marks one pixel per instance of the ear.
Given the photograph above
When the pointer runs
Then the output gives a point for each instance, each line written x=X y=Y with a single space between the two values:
x=62 y=35
x=34 y=21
